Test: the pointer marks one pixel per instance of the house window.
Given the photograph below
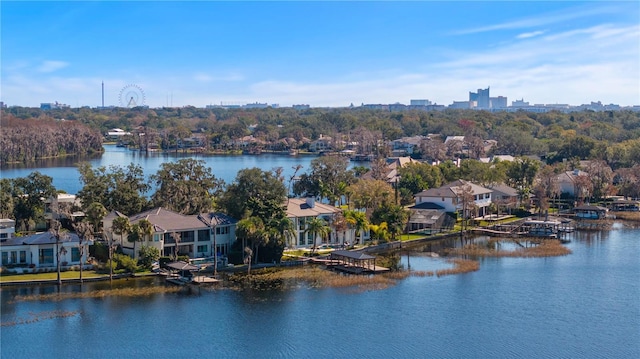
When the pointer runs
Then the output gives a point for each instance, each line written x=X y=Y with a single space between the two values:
x=23 y=256
x=301 y=239
x=75 y=254
x=4 y=235
x=14 y=257
x=5 y=258
x=187 y=236
x=222 y=230
x=204 y=235
x=156 y=237
x=203 y=248
x=46 y=256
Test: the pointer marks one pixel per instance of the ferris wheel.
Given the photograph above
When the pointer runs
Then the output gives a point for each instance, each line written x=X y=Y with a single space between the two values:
x=131 y=96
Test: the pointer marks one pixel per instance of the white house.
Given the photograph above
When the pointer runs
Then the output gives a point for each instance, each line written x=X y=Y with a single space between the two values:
x=300 y=211
x=7 y=228
x=406 y=145
x=39 y=251
x=321 y=144
x=53 y=205
x=194 y=234
x=115 y=134
x=567 y=181
x=448 y=197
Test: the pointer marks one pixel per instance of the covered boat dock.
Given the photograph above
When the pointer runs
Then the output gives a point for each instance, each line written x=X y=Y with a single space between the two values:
x=354 y=262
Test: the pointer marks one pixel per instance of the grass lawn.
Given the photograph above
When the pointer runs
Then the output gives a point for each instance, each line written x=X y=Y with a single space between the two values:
x=49 y=276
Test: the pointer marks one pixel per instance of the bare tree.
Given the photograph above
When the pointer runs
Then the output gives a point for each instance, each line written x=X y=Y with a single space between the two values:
x=601 y=177
x=468 y=205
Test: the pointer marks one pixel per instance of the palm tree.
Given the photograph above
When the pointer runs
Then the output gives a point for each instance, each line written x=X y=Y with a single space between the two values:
x=58 y=234
x=285 y=230
x=379 y=231
x=317 y=227
x=358 y=221
x=252 y=229
x=146 y=231
x=135 y=235
x=120 y=226
x=85 y=233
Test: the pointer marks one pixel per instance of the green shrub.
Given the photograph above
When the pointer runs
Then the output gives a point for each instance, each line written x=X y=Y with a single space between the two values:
x=148 y=255
x=125 y=262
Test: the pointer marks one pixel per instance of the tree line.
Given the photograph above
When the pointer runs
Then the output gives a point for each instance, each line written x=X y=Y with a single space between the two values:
x=31 y=139
x=612 y=136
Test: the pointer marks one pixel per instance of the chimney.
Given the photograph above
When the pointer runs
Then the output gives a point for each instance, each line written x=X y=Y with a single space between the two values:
x=311 y=201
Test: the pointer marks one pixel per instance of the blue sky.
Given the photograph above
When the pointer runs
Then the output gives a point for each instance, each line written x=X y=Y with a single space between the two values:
x=319 y=53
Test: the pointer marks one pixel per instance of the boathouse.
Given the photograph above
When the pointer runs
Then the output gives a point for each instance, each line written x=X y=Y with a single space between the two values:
x=625 y=205
x=354 y=262
x=590 y=212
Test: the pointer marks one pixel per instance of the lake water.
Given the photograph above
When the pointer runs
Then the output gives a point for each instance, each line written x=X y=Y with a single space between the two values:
x=66 y=176
x=584 y=305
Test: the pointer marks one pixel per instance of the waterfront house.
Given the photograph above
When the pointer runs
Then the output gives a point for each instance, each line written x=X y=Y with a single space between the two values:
x=116 y=134
x=427 y=218
x=62 y=206
x=192 y=235
x=391 y=171
x=506 y=198
x=324 y=143
x=302 y=210
x=39 y=251
x=406 y=145
x=223 y=233
x=449 y=197
x=567 y=182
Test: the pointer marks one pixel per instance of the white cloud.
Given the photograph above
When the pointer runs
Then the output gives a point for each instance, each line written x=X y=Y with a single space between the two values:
x=543 y=19
x=51 y=66
x=527 y=35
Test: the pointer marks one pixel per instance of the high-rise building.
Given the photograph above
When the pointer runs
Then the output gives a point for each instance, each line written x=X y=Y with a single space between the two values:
x=420 y=103
x=481 y=98
x=498 y=102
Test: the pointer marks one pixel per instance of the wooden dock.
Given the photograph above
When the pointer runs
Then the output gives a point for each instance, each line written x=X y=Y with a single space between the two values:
x=201 y=279
x=358 y=270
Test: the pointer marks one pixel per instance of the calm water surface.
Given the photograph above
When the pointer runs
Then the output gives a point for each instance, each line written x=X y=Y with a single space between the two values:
x=66 y=176
x=584 y=305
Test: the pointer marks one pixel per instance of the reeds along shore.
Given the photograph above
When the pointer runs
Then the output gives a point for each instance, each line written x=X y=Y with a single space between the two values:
x=546 y=248
x=120 y=292
x=628 y=216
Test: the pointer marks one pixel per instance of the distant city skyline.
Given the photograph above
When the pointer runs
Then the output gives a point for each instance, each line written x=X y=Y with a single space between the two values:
x=325 y=54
